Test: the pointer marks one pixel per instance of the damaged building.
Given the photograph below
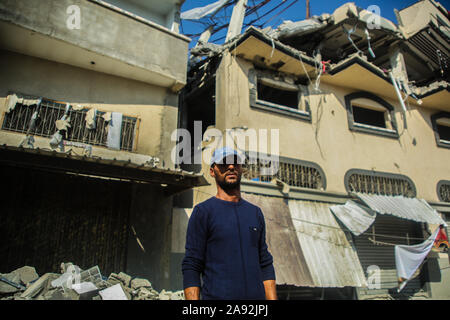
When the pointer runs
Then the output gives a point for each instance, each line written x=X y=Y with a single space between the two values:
x=88 y=104
x=363 y=117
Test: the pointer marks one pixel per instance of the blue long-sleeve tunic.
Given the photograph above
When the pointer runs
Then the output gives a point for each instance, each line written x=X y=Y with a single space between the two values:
x=225 y=244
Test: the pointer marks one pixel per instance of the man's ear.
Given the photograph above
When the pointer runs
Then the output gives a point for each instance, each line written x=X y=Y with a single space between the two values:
x=211 y=172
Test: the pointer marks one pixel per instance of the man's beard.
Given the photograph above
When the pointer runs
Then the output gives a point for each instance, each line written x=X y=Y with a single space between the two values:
x=227 y=186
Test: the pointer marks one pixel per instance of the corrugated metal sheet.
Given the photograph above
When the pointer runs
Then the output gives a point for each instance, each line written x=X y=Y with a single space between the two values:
x=407 y=208
x=289 y=262
x=354 y=217
x=331 y=259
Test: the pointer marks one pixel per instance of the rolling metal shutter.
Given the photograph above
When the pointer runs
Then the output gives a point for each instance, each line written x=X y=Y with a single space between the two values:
x=383 y=255
x=48 y=218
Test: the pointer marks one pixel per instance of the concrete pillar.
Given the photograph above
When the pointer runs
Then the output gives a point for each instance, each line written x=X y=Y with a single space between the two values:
x=237 y=19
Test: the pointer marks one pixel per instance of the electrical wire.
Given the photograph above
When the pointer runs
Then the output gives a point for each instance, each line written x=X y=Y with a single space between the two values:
x=293 y=2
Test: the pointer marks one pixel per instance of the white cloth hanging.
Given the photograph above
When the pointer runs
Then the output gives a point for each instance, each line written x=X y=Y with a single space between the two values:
x=409 y=258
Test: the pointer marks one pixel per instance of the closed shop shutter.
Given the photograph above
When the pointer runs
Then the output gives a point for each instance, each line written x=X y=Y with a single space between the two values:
x=383 y=256
x=49 y=218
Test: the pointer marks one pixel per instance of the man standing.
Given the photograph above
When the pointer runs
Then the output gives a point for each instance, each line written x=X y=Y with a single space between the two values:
x=226 y=241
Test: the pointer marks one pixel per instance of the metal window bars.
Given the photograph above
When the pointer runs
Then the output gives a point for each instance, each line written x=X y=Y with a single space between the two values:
x=290 y=173
x=444 y=192
x=18 y=119
x=380 y=185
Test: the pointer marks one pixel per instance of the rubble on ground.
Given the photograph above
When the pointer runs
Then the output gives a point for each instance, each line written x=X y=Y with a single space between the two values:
x=74 y=283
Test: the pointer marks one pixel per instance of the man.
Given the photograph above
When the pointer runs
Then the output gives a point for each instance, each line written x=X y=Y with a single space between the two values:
x=225 y=241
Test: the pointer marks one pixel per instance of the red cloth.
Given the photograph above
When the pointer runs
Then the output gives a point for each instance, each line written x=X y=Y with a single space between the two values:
x=441 y=235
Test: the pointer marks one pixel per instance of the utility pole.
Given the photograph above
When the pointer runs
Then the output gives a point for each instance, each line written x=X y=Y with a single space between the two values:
x=237 y=19
x=308 y=12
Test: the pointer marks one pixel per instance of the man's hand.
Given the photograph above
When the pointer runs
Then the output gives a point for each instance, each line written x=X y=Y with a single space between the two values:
x=192 y=293
x=270 y=288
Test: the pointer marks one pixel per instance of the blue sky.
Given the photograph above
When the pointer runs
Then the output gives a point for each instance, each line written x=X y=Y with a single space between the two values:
x=295 y=12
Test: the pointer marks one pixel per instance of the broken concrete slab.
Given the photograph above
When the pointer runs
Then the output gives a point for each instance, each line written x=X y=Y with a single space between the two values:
x=42 y=285
x=27 y=274
x=165 y=295
x=139 y=283
x=121 y=277
x=6 y=287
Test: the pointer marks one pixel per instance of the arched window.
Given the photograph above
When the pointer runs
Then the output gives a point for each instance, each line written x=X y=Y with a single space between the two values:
x=294 y=172
x=375 y=182
x=370 y=114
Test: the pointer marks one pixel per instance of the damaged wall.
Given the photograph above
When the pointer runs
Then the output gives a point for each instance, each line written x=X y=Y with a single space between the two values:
x=120 y=44
x=156 y=107
x=328 y=141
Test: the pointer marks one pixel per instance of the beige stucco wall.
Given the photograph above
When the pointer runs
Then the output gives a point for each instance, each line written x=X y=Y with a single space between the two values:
x=328 y=141
x=119 y=44
x=156 y=107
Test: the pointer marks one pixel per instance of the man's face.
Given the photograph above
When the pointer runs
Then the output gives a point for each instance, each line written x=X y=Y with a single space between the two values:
x=228 y=174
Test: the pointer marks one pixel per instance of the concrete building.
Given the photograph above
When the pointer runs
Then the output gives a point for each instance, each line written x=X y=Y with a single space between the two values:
x=88 y=101
x=361 y=108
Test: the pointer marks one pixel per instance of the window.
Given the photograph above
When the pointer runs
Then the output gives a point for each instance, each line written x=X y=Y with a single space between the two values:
x=277 y=96
x=297 y=173
x=443 y=191
x=17 y=120
x=441 y=126
x=370 y=114
x=280 y=93
x=374 y=182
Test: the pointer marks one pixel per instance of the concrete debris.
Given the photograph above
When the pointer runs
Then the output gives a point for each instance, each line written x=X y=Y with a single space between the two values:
x=14 y=99
x=25 y=284
x=298 y=28
x=138 y=283
x=27 y=274
x=91 y=117
x=40 y=287
x=120 y=278
x=6 y=286
x=206 y=49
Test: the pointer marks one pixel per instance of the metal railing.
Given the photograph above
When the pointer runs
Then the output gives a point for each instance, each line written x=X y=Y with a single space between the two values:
x=18 y=119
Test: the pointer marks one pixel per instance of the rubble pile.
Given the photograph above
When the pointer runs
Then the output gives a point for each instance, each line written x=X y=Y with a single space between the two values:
x=74 y=283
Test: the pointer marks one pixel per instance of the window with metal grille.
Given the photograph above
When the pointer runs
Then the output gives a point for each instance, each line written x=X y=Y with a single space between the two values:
x=443 y=189
x=382 y=183
x=293 y=172
x=19 y=118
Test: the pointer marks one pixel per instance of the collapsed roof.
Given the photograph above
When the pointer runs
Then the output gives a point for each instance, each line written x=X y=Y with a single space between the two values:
x=330 y=39
x=424 y=42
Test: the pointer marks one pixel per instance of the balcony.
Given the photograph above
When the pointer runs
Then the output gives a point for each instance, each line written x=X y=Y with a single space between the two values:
x=109 y=40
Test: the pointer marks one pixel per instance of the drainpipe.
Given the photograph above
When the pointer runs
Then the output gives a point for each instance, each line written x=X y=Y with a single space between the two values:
x=399 y=96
